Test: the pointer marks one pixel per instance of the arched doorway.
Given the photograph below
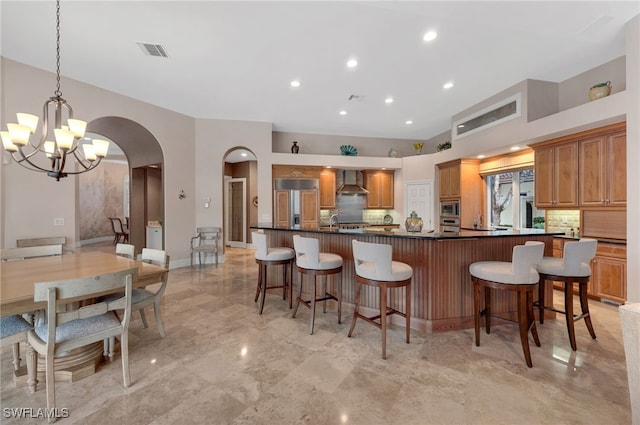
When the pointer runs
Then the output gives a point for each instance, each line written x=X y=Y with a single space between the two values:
x=240 y=196
x=146 y=164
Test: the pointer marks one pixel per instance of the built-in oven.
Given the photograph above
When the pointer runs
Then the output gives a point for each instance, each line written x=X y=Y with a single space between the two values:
x=450 y=209
x=449 y=224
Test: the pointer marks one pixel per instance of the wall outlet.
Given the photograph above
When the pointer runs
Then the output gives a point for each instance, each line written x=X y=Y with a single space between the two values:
x=58 y=221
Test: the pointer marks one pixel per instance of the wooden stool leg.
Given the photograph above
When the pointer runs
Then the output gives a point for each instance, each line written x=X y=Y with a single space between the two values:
x=338 y=281
x=522 y=324
x=477 y=295
x=355 y=309
x=408 y=311
x=568 y=308
x=284 y=284
x=541 y=300
x=584 y=306
x=264 y=286
x=295 y=309
x=324 y=293
x=531 y=320
x=290 y=283
x=487 y=309
x=313 y=304
x=383 y=318
x=259 y=282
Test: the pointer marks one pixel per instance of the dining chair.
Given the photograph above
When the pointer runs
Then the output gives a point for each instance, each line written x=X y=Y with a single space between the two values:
x=80 y=324
x=143 y=297
x=519 y=275
x=119 y=232
x=375 y=268
x=126 y=250
x=572 y=268
x=13 y=331
x=205 y=242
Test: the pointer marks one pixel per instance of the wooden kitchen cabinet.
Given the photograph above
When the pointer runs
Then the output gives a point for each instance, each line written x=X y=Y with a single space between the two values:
x=379 y=183
x=449 y=180
x=282 y=208
x=328 y=189
x=603 y=170
x=309 y=211
x=609 y=272
x=556 y=174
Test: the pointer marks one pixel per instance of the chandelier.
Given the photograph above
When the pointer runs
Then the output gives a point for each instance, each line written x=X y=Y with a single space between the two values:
x=63 y=142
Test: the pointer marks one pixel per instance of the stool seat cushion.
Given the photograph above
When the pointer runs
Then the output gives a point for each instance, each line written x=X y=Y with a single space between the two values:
x=276 y=254
x=326 y=261
x=501 y=272
x=399 y=271
x=557 y=267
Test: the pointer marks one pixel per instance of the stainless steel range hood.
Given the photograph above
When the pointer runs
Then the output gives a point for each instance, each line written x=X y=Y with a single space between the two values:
x=350 y=184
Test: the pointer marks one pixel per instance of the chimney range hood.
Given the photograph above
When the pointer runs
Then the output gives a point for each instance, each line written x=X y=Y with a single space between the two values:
x=350 y=184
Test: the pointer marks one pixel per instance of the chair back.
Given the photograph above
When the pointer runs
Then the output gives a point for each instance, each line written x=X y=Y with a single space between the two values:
x=56 y=292
x=259 y=240
x=577 y=255
x=524 y=261
x=208 y=235
x=126 y=250
x=158 y=257
x=30 y=252
x=116 y=225
x=307 y=252
x=376 y=258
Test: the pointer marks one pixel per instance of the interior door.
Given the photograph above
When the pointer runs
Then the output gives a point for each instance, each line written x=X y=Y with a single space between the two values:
x=419 y=198
x=236 y=213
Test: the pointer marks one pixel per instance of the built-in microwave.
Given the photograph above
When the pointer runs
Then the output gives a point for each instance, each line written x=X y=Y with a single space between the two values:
x=450 y=209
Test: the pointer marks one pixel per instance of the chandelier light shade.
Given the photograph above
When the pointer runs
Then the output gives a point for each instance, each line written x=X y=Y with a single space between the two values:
x=56 y=141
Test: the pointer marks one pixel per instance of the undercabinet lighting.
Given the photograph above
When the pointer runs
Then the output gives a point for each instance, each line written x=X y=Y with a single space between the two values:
x=408 y=122
x=352 y=63
x=447 y=85
x=343 y=112
x=388 y=100
x=515 y=148
x=430 y=36
x=295 y=83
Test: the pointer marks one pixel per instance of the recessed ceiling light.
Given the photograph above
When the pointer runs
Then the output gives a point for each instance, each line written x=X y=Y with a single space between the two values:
x=388 y=100
x=243 y=154
x=515 y=148
x=480 y=156
x=343 y=112
x=447 y=85
x=430 y=36
x=352 y=63
x=295 y=83
x=408 y=122
x=461 y=126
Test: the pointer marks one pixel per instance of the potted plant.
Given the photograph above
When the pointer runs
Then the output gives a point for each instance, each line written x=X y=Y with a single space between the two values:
x=443 y=146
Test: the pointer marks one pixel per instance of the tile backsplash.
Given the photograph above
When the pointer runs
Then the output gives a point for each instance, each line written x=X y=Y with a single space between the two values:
x=563 y=221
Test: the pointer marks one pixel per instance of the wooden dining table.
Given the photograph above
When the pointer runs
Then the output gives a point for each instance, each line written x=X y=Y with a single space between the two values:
x=17 y=279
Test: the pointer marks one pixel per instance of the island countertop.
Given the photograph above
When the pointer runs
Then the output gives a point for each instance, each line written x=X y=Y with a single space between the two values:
x=425 y=234
x=441 y=288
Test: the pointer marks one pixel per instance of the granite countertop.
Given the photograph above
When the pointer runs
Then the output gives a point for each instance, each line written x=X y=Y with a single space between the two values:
x=425 y=234
x=603 y=240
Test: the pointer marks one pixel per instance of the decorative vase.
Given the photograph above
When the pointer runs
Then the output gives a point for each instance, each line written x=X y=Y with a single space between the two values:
x=600 y=90
x=413 y=223
x=418 y=147
x=393 y=153
x=295 y=148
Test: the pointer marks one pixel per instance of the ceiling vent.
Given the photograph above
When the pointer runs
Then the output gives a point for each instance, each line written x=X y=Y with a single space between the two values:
x=490 y=116
x=153 y=50
x=356 y=97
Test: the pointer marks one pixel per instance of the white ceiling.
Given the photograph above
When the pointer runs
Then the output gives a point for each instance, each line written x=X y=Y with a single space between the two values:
x=235 y=60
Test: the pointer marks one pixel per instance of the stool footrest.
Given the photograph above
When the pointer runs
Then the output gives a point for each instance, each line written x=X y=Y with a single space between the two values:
x=372 y=319
x=328 y=297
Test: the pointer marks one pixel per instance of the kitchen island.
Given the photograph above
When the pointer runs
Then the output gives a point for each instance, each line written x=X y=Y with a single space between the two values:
x=442 y=291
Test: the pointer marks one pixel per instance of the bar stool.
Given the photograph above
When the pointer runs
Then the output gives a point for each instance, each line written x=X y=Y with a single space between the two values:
x=519 y=275
x=310 y=261
x=266 y=256
x=375 y=267
x=572 y=268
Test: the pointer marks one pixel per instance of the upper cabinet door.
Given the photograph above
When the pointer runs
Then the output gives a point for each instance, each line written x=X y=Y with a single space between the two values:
x=328 y=189
x=603 y=171
x=379 y=183
x=556 y=174
x=616 y=149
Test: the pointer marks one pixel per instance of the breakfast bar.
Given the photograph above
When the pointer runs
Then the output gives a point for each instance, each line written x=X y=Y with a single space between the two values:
x=442 y=291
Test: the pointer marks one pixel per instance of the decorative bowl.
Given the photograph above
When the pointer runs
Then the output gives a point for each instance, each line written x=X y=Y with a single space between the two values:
x=348 y=150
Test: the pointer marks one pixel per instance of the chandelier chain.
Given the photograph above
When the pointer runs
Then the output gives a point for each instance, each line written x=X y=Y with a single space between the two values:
x=58 y=93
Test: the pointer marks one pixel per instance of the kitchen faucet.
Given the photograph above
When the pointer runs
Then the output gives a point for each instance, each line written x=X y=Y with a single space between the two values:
x=334 y=217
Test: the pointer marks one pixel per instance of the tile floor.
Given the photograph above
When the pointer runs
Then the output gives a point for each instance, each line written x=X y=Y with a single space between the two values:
x=222 y=363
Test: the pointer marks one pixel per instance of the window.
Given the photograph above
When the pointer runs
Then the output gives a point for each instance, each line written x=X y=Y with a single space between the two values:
x=511 y=200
